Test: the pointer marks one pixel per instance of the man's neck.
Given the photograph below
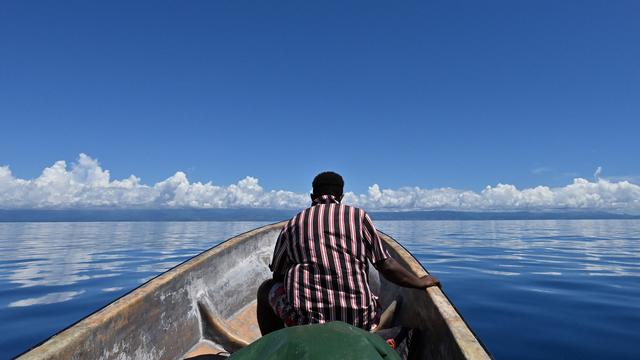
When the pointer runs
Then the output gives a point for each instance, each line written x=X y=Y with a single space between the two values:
x=325 y=199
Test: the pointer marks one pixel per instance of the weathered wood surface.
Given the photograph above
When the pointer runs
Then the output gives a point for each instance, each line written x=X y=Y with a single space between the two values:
x=208 y=302
x=448 y=336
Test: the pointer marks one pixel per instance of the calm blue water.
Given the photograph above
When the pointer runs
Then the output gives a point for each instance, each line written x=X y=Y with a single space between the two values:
x=529 y=289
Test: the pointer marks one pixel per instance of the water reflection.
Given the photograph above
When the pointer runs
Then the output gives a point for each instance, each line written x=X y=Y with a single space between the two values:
x=111 y=289
x=59 y=254
x=50 y=298
x=593 y=247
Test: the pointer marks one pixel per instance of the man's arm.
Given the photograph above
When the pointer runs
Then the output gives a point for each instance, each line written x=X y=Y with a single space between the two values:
x=386 y=265
x=280 y=261
x=397 y=274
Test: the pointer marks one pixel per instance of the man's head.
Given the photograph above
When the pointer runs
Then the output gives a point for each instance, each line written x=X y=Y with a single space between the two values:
x=327 y=183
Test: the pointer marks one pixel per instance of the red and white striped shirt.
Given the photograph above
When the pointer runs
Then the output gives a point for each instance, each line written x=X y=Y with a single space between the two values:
x=323 y=254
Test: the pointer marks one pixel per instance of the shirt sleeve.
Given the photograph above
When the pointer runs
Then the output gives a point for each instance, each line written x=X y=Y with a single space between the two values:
x=280 y=261
x=374 y=249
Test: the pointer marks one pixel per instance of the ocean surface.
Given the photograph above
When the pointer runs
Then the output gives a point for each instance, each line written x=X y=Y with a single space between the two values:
x=530 y=289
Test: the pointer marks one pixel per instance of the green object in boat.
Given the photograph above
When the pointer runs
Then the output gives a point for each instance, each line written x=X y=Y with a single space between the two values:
x=333 y=340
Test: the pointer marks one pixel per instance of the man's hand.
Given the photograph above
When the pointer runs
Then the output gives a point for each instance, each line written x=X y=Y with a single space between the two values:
x=428 y=281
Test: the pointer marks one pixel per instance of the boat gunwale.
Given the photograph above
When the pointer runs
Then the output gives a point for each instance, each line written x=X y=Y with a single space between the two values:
x=464 y=336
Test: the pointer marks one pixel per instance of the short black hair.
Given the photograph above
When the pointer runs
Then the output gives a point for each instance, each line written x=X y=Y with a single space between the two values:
x=328 y=183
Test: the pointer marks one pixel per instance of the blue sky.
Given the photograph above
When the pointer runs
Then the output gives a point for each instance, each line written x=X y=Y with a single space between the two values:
x=426 y=94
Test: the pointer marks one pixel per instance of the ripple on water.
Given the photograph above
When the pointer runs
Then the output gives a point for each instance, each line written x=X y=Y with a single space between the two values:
x=51 y=298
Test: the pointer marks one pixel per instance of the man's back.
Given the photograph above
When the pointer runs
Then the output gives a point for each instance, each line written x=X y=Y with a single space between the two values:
x=323 y=255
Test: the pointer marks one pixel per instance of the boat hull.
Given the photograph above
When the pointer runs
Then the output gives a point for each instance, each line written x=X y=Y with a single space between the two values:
x=207 y=305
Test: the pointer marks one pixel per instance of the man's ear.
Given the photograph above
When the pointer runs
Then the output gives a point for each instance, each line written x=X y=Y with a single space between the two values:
x=313 y=197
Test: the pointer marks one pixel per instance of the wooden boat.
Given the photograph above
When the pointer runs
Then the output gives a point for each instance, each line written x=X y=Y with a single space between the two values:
x=207 y=305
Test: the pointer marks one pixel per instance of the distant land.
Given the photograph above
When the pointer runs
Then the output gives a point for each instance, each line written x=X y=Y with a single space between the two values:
x=87 y=215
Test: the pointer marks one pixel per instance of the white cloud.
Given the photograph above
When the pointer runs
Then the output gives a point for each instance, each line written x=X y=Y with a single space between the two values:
x=580 y=195
x=597 y=173
x=86 y=184
x=541 y=170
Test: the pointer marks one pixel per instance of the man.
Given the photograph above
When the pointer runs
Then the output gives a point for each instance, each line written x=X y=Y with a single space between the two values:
x=320 y=264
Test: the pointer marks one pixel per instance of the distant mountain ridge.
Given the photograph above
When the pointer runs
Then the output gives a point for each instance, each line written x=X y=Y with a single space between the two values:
x=88 y=215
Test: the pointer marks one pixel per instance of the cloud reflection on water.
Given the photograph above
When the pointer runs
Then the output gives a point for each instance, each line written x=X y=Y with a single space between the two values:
x=57 y=259
x=111 y=289
x=51 y=298
x=549 y=247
